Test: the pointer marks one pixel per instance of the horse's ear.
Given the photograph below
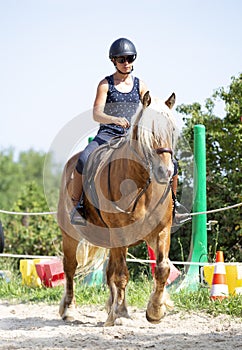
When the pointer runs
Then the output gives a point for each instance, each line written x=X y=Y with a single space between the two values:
x=146 y=100
x=171 y=100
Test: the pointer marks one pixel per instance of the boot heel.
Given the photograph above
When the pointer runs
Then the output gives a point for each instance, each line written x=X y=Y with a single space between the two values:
x=76 y=218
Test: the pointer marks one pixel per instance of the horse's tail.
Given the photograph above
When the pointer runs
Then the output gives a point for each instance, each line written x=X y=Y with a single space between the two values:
x=64 y=203
x=89 y=257
x=68 y=170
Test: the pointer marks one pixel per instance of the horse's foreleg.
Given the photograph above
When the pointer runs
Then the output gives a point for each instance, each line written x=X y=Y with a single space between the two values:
x=68 y=303
x=117 y=279
x=159 y=300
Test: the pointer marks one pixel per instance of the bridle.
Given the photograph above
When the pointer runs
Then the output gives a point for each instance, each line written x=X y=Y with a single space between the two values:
x=162 y=150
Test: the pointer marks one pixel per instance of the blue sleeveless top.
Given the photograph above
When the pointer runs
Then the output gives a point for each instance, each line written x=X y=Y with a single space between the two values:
x=120 y=104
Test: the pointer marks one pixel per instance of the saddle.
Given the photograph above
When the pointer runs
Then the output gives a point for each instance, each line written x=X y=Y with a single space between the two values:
x=97 y=159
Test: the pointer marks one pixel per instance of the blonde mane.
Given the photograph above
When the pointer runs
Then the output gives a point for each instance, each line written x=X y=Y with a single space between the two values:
x=155 y=126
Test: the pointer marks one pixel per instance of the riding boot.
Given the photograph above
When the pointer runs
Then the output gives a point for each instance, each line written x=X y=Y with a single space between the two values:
x=77 y=215
x=181 y=214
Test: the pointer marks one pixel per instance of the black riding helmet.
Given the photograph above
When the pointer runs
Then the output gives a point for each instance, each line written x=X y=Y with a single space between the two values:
x=122 y=47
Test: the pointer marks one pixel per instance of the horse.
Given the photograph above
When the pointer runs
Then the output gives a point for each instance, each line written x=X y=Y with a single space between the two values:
x=128 y=200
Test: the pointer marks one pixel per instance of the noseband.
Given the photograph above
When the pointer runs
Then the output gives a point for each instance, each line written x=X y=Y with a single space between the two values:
x=164 y=150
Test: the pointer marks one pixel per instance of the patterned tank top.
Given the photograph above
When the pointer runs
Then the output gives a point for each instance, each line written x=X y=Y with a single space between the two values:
x=120 y=104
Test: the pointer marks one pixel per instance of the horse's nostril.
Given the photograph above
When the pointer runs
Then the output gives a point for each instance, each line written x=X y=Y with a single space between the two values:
x=162 y=174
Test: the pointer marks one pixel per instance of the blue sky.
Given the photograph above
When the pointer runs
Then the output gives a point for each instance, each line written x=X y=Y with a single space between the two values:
x=54 y=53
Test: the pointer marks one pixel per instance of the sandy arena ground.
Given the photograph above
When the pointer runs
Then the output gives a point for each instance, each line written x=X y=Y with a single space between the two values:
x=38 y=326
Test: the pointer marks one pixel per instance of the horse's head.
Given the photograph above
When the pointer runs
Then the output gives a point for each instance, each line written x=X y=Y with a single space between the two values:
x=154 y=132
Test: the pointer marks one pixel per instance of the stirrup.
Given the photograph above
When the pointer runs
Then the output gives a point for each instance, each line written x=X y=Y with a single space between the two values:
x=180 y=219
x=77 y=215
x=181 y=214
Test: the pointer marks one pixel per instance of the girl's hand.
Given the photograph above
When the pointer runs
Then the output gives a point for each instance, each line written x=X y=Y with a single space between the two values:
x=122 y=122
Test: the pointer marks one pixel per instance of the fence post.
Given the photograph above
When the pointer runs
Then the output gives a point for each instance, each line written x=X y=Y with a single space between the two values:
x=198 y=248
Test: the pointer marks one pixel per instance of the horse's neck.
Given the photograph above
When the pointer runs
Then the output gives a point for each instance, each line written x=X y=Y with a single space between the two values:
x=137 y=163
x=137 y=151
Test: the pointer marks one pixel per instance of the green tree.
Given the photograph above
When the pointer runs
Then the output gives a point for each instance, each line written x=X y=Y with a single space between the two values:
x=223 y=158
x=10 y=178
x=22 y=190
x=16 y=171
x=32 y=163
x=38 y=235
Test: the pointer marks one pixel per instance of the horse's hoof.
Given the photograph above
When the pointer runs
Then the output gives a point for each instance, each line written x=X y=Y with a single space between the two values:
x=109 y=323
x=152 y=320
x=156 y=314
x=68 y=314
x=68 y=318
x=123 y=321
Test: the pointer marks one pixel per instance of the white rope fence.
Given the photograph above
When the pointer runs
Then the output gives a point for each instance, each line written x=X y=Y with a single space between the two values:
x=216 y=210
x=142 y=261
x=55 y=212
x=6 y=255
x=23 y=213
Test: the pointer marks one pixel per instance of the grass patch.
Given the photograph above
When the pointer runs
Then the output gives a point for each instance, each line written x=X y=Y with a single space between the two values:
x=138 y=293
x=200 y=301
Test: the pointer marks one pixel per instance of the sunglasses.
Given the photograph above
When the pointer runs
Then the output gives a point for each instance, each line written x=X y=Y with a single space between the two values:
x=123 y=59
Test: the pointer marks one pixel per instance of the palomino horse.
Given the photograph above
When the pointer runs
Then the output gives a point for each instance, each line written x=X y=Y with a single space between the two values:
x=128 y=200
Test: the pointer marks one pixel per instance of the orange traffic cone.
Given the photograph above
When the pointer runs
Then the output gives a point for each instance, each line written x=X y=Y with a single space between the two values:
x=219 y=288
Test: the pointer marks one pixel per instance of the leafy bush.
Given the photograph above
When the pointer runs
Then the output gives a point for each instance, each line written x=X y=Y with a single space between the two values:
x=33 y=235
x=223 y=160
